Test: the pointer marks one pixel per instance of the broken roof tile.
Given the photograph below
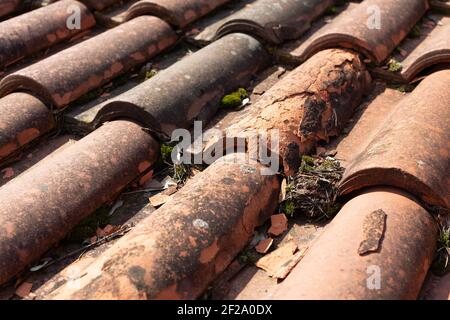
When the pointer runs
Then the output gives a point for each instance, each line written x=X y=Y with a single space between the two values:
x=410 y=150
x=373 y=27
x=63 y=189
x=67 y=75
x=333 y=269
x=18 y=40
x=178 y=13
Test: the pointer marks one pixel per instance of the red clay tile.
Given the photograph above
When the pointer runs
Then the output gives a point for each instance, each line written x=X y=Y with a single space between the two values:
x=278 y=224
x=9 y=6
x=23 y=118
x=274 y=21
x=440 y=6
x=67 y=75
x=264 y=245
x=359 y=29
x=181 y=247
x=333 y=269
x=312 y=103
x=410 y=151
x=43 y=204
x=18 y=39
x=177 y=12
x=100 y=5
x=434 y=50
x=191 y=89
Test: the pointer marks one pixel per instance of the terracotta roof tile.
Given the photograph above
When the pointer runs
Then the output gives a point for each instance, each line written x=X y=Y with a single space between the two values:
x=67 y=75
x=9 y=6
x=189 y=90
x=317 y=92
x=177 y=13
x=179 y=249
x=63 y=189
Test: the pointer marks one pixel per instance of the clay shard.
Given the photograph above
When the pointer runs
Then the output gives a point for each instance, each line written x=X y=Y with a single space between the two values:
x=100 y=5
x=177 y=13
x=373 y=229
x=281 y=261
x=49 y=26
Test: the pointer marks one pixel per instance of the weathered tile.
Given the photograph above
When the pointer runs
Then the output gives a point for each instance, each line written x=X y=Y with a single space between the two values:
x=178 y=250
x=23 y=118
x=49 y=26
x=373 y=27
x=269 y=20
x=177 y=13
x=9 y=6
x=312 y=103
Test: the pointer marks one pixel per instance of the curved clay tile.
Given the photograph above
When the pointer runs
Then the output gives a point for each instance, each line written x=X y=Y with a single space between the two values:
x=22 y=119
x=374 y=27
x=411 y=150
x=399 y=238
x=191 y=89
x=67 y=75
x=176 y=12
x=43 y=204
x=275 y=21
x=184 y=245
x=100 y=5
x=9 y=6
x=434 y=50
x=49 y=26
x=312 y=103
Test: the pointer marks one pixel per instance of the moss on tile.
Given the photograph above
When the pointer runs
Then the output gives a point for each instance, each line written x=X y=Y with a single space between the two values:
x=234 y=99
